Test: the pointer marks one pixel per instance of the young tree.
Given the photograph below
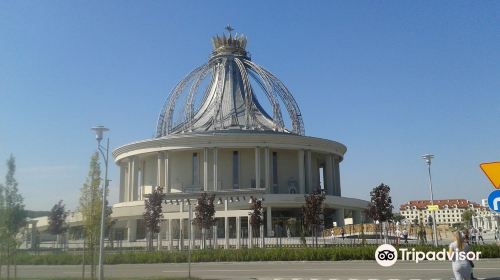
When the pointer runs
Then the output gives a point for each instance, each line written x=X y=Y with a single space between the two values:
x=153 y=214
x=380 y=206
x=398 y=218
x=256 y=215
x=90 y=208
x=204 y=214
x=12 y=214
x=467 y=217
x=57 y=221
x=313 y=211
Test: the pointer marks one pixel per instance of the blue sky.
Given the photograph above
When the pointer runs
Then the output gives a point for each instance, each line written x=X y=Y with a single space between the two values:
x=392 y=80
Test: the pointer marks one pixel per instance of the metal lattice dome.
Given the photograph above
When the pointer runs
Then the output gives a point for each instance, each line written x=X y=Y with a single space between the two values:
x=222 y=95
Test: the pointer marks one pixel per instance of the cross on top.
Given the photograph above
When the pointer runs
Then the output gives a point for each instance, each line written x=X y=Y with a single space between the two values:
x=229 y=29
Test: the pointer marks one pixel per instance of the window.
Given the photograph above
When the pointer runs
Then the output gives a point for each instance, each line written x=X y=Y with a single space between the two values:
x=236 y=171
x=196 y=170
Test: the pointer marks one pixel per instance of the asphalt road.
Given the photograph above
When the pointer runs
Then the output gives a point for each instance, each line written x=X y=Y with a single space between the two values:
x=349 y=270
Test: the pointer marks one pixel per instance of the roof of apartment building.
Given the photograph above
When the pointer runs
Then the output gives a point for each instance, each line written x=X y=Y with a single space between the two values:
x=422 y=204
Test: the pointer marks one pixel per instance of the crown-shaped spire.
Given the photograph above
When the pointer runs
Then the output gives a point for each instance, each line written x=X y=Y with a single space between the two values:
x=231 y=44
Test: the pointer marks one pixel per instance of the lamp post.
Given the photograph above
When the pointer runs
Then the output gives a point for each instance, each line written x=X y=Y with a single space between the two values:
x=99 y=131
x=428 y=159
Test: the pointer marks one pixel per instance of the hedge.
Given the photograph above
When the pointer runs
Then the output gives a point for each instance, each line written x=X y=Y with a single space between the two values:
x=233 y=255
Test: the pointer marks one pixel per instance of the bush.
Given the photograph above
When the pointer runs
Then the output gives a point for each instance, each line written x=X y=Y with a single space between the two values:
x=240 y=255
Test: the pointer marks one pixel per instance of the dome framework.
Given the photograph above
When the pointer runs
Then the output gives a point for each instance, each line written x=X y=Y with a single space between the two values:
x=230 y=100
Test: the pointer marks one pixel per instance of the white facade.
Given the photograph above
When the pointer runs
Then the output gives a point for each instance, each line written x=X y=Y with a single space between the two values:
x=226 y=143
x=449 y=213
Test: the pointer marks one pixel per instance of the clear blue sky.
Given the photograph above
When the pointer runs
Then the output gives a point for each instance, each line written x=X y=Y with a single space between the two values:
x=390 y=79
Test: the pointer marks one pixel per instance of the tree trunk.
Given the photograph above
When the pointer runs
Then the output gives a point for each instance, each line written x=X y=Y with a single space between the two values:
x=151 y=238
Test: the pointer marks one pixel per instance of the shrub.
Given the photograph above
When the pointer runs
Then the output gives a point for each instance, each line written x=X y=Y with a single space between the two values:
x=240 y=255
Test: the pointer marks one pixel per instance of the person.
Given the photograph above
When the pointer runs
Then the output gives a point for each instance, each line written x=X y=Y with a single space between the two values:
x=497 y=234
x=405 y=236
x=398 y=236
x=472 y=234
x=462 y=269
x=342 y=232
x=466 y=236
x=288 y=232
x=480 y=235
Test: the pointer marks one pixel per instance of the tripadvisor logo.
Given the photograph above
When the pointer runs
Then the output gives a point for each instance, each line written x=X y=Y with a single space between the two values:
x=387 y=255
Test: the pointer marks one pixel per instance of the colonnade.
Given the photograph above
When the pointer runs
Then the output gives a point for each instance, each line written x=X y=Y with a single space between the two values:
x=489 y=222
x=133 y=167
x=179 y=221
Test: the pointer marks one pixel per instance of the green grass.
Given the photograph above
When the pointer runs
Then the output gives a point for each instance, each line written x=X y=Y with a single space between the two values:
x=241 y=255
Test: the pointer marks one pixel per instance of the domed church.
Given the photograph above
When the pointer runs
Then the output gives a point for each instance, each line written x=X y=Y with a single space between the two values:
x=233 y=129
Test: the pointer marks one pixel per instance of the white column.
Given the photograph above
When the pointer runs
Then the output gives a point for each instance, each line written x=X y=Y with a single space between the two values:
x=269 y=221
x=181 y=227
x=128 y=185
x=170 y=234
x=166 y=172
x=214 y=233
x=123 y=184
x=161 y=234
x=216 y=178
x=33 y=233
x=181 y=234
x=133 y=180
x=132 y=229
x=205 y=169
x=261 y=230
x=329 y=175
x=257 y=167
x=249 y=233
x=191 y=230
x=140 y=184
x=238 y=232
x=226 y=226
x=336 y=170
x=267 y=172
x=309 y=184
x=339 y=216
x=302 y=177
x=135 y=190
x=159 y=170
x=356 y=217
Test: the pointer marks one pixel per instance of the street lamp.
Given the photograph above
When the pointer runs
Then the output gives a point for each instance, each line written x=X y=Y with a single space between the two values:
x=99 y=131
x=428 y=159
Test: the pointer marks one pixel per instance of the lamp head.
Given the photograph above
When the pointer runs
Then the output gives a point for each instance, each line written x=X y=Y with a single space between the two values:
x=99 y=132
x=428 y=158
